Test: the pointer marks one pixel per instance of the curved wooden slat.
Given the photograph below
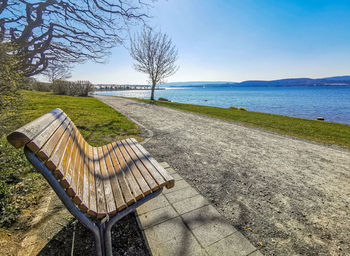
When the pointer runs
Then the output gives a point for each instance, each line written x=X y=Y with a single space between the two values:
x=59 y=152
x=117 y=170
x=68 y=160
x=111 y=175
x=26 y=133
x=141 y=168
x=81 y=198
x=106 y=181
x=46 y=151
x=170 y=180
x=148 y=165
x=138 y=176
x=41 y=138
x=133 y=185
x=100 y=196
x=74 y=167
x=92 y=183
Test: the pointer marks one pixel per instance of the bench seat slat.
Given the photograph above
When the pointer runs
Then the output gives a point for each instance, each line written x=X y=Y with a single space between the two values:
x=113 y=181
x=83 y=189
x=75 y=169
x=125 y=189
x=136 y=173
x=152 y=170
x=117 y=192
x=142 y=170
x=100 y=197
x=79 y=175
x=160 y=169
x=41 y=138
x=46 y=151
x=135 y=189
x=58 y=152
x=107 y=186
x=92 y=184
x=66 y=180
x=66 y=155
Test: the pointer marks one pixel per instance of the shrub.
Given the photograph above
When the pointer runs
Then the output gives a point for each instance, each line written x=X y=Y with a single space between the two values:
x=41 y=87
x=20 y=184
x=10 y=78
x=61 y=87
x=11 y=162
x=233 y=108
x=243 y=109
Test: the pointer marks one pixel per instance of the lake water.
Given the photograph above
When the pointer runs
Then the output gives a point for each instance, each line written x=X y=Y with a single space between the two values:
x=332 y=103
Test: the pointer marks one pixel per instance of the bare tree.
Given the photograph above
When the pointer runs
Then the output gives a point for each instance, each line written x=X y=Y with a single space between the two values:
x=66 y=30
x=57 y=71
x=155 y=55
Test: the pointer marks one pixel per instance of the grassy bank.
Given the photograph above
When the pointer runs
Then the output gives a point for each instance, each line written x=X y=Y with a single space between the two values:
x=20 y=185
x=320 y=131
x=98 y=122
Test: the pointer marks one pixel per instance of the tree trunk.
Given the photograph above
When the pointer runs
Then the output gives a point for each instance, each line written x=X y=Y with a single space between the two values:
x=153 y=87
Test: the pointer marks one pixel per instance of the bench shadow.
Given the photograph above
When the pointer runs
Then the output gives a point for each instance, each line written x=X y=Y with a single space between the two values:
x=185 y=240
x=124 y=164
x=127 y=239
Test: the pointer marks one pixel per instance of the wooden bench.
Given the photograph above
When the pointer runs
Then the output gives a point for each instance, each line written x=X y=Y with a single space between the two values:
x=98 y=185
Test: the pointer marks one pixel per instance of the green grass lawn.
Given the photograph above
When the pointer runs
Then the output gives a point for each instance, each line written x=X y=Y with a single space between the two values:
x=20 y=185
x=99 y=123
x=320 y=131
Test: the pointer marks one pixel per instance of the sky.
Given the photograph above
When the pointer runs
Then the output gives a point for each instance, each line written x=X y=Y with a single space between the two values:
x=237 y=40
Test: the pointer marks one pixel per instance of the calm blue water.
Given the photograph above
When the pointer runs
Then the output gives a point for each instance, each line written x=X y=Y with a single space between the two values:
x=332 y=103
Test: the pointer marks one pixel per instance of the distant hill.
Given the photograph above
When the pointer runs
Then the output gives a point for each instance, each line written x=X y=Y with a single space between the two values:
x=328 y=81
x=197 y=83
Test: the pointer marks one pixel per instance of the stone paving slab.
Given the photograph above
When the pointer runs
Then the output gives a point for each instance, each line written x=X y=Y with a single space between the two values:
x=157 y=216
x=182 y=245
x=157 y=202
x=180 y=221
x=201 y=216
x=180 y=184
x=190 y=204
x=213 y=231
x=176 y=176
x=180 y=195
x=237 y=243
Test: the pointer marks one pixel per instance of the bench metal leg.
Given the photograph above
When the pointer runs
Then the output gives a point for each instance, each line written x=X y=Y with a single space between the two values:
x=107 y=226
x=101 y=231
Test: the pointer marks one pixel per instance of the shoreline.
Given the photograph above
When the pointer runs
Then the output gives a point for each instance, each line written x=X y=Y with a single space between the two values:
x=307 y=103
x=319 y=131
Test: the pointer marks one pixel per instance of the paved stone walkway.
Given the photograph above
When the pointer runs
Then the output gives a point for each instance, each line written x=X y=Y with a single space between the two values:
x=182 y=222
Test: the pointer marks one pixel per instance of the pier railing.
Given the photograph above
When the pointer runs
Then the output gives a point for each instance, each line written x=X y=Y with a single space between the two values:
x=114 y=87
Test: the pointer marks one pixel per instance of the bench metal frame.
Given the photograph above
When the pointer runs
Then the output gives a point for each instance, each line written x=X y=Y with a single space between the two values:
x=101 y=230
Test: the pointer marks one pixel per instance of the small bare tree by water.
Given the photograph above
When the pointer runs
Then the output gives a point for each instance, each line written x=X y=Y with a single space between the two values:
x=155 y=55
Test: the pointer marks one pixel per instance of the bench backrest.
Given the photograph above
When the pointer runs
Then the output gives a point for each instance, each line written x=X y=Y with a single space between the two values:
x=49 y=136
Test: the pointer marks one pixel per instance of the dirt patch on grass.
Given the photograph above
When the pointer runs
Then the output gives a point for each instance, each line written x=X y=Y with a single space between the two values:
x=52 y=230
x=288 y=195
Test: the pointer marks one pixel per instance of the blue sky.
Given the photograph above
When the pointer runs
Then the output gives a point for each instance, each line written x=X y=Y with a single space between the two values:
x=236 y=40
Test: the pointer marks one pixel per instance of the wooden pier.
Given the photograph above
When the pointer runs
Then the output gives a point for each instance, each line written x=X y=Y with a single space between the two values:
x=120 y=87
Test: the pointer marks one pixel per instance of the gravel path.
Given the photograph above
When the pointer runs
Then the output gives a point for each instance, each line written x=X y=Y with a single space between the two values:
x=291 y=195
